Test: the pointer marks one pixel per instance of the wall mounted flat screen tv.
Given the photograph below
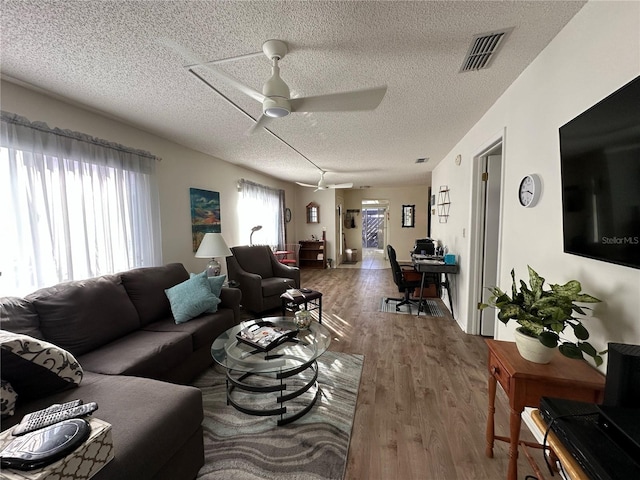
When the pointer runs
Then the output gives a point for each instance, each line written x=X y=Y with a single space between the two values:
x=600 y=165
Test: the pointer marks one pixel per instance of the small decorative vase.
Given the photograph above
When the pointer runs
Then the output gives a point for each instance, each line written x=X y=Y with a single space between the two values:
x=531 y=349
x=302 y=319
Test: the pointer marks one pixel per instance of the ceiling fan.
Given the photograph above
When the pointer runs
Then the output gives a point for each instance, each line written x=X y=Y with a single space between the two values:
x=322 y=184
x=276 y=98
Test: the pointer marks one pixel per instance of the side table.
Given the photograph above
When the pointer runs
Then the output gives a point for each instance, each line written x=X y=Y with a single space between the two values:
x=312 y=301
x=526 y=382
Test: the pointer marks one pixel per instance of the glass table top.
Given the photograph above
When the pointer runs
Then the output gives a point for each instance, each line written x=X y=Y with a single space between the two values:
x=235 y=355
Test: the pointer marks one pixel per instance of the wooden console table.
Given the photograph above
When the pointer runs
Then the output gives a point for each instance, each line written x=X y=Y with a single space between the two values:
x=526 y=382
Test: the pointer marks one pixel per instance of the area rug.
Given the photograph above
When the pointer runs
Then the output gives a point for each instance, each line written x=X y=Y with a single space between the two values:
x=244 y=447
x=431 y=307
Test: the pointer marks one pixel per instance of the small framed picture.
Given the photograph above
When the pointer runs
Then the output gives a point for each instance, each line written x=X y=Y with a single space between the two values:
x=408 y=216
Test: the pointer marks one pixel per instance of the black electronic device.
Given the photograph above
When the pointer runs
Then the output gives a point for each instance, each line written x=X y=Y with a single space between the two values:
x=578 y=426
x=600 y=167
x=46 y=417
x=424 y=246
x=45 y=446
x=623 y=426
x=622 y=387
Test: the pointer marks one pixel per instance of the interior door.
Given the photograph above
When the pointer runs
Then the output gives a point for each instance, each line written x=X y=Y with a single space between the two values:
x=491 y=185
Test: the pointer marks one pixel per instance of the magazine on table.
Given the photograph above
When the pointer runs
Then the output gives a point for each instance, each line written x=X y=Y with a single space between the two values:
x=264 y=335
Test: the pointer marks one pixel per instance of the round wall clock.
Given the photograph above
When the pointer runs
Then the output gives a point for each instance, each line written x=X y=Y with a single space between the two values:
x=287 y=215
x=529 y=191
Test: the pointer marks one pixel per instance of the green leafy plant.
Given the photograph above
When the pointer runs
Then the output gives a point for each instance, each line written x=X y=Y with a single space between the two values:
x=545 y=314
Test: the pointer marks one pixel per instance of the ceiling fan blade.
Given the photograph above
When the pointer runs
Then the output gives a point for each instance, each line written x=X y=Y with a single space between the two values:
x=188 y=56
x=263 y=121
x=356 y=100
x=341 y=185
x=236 y=84
x=306 y=185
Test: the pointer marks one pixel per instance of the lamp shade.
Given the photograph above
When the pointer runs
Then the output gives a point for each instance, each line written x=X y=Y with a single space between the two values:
x=213 y=245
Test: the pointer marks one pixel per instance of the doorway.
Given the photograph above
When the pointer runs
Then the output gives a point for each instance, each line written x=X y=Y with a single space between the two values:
x=374 y=233
x=373 y=228
x=487 y=216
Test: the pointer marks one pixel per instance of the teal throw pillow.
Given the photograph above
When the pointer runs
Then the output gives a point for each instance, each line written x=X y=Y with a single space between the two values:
x=191 y=298
x=215 y=283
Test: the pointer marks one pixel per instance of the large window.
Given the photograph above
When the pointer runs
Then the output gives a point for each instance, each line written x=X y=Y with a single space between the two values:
x=73 y=207
x=261 y=206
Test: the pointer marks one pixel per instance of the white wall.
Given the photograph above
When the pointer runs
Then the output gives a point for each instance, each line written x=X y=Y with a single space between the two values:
x=180 y=169
x=594 y=55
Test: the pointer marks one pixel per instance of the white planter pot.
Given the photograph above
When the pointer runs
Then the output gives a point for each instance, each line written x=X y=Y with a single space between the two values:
x=531 y=349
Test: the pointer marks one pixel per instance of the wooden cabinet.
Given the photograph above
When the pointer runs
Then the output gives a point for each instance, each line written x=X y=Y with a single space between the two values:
x=312 y=254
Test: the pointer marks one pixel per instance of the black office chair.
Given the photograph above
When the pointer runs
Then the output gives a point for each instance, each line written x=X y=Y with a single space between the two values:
x=406 y=280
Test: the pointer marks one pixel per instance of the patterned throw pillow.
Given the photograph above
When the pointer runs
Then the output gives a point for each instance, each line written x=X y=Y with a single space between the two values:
x=191 y=298
x=8 y=398
x=36 y=368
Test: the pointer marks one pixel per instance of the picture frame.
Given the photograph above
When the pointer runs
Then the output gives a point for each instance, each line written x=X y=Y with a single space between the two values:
x=408 y=216
x=205 y=214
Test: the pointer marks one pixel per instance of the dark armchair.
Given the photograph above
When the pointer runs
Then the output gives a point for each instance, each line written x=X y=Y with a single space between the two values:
x=261 y=277
x=406 y=280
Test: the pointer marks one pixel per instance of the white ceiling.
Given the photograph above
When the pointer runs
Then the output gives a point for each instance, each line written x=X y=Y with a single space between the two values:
x=125 y=59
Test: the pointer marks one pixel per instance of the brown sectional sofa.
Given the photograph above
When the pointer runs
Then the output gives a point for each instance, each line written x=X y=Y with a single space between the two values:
x=135 y=360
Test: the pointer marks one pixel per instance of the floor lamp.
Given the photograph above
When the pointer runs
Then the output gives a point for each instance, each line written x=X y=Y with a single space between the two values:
x=254 y=230
x=213 y=245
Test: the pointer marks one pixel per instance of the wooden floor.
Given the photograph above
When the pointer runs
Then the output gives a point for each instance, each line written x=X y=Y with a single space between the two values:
x=422 y=403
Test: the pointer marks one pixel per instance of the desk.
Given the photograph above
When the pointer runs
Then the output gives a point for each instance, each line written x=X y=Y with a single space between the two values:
x=525 y=382
x=428 y=266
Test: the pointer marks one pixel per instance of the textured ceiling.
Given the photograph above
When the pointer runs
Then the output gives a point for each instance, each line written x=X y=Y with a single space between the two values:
x=126 y=59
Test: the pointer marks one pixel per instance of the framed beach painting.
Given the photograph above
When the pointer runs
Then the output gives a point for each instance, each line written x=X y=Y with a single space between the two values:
x=205 y=214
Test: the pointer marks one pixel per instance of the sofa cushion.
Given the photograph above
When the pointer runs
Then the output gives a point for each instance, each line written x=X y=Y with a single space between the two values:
x=19 y=315
x=83 y=315
x=151 y=420
x=36 y=368
x=8 y=397
x=141 y=353
x=146 y=287
x=203 y=329
x=191 y=298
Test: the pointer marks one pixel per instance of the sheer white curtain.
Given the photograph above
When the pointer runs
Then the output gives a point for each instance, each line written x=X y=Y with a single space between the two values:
x=261 y=205
x=72 y=207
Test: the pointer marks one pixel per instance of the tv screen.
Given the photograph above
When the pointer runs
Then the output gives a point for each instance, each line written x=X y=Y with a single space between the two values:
x=600 y=166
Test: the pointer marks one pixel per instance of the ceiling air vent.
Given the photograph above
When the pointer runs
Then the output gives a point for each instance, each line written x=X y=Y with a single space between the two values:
x=422 y=160
x=483 y=49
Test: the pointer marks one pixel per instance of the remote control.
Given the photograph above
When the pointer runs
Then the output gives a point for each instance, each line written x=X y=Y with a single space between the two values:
x=56 y=407
x=47 y=419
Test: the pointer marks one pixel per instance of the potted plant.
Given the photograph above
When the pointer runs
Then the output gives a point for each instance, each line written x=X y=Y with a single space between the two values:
x=545 y=314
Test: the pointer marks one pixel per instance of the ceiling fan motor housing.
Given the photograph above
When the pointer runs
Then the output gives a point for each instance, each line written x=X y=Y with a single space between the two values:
x=276 y=107
x=277 y=92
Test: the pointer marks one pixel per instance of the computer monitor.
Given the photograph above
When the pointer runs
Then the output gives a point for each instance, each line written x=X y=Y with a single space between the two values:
x=426 y=245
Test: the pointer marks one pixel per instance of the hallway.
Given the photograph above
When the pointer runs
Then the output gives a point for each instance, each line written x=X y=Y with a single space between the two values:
x=369 y=259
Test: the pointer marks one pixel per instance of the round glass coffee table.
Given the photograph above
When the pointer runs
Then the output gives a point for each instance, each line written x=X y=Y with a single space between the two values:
x=285 y=372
